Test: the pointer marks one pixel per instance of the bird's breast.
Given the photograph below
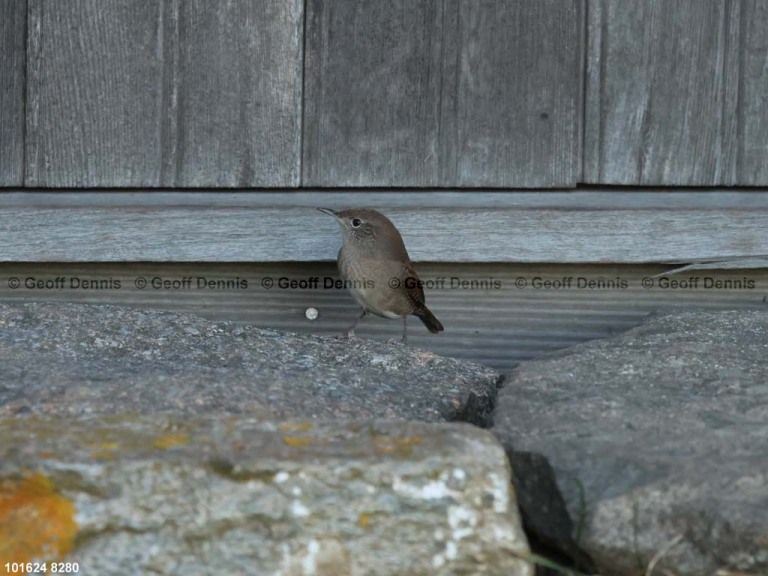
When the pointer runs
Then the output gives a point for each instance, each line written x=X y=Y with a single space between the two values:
x=375 y=283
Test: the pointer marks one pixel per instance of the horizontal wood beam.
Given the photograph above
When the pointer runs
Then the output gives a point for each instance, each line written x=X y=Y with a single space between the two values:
x=586 y=226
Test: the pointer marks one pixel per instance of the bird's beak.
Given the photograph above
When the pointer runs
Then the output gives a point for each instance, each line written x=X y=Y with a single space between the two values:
x=329 y=212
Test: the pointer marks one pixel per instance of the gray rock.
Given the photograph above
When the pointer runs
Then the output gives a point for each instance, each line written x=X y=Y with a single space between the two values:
x=665 y=429
x=80 y=359
x=545 y=517
x=167 y=494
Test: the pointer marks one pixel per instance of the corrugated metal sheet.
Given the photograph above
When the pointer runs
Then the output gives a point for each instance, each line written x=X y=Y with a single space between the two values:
x=499 y=326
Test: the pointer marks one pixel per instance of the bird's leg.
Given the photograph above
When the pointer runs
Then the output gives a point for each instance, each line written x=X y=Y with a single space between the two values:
x=351 y=331
x=405 y=330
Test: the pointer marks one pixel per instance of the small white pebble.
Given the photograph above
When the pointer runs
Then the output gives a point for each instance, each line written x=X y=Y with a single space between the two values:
x=281 y=477
x=309 y=563
x=311 y=313
x=451 y=550
x=299 y=510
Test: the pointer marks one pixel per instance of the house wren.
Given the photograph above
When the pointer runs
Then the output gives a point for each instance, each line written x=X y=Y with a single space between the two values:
x=375 y=266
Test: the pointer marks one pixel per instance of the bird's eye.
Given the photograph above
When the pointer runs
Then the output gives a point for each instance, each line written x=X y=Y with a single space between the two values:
x=356 y=222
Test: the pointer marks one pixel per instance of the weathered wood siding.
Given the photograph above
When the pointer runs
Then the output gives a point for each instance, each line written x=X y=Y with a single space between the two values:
x=497 y=324
x=581 y=227
x=520 y=93
x=676 y=92
x=449 y=93
x=164 y=93
x=367 y=93
x=752 y=166
x=13 y=16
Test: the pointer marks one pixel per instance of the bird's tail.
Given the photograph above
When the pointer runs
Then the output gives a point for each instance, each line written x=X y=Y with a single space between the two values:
x=432 y=323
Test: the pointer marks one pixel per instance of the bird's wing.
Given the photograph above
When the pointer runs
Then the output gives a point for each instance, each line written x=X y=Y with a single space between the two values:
x=413 y=286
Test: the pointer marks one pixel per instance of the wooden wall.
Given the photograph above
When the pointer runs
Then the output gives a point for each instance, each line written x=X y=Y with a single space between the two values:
x=437 y=105
x=12 y=91
x=144 y=93
x=404 y=93
x=496 y=242
x=447 y=93
x=675 y=92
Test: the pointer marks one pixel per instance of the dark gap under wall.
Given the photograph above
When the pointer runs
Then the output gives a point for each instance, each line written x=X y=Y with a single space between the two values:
x=496 y=314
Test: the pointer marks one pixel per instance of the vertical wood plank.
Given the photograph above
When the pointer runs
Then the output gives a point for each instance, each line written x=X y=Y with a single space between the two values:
x=373 y=77
x=593 y=99
x=753 y=119
x=664 y=88
x=443 y=93
x=13 y=16
x=239 y=95
x=129 y=93
x=96 y=89
x=520 y=93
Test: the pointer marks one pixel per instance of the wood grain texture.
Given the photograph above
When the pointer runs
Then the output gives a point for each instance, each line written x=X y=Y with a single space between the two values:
x=753 y=119
x=735 y=264
x=674 y=92
x=440 y=227
x=13 y=18
x=95 y=92
x=373 y=77
x=497 y=324
x=135 y=93
x=448 y=93
x=239 y=98
x=519 y=94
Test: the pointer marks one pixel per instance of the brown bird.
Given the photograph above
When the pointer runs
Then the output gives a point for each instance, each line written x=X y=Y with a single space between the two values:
x=375 y=266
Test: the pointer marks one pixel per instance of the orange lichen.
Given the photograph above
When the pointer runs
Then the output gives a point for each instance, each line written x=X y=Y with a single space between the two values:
x=398 y=445
x=296 y=426
x=170 y=441
x=364 y=520
x=105 y=450
x=112 y=445
x=297 y=441
x=35 y=522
